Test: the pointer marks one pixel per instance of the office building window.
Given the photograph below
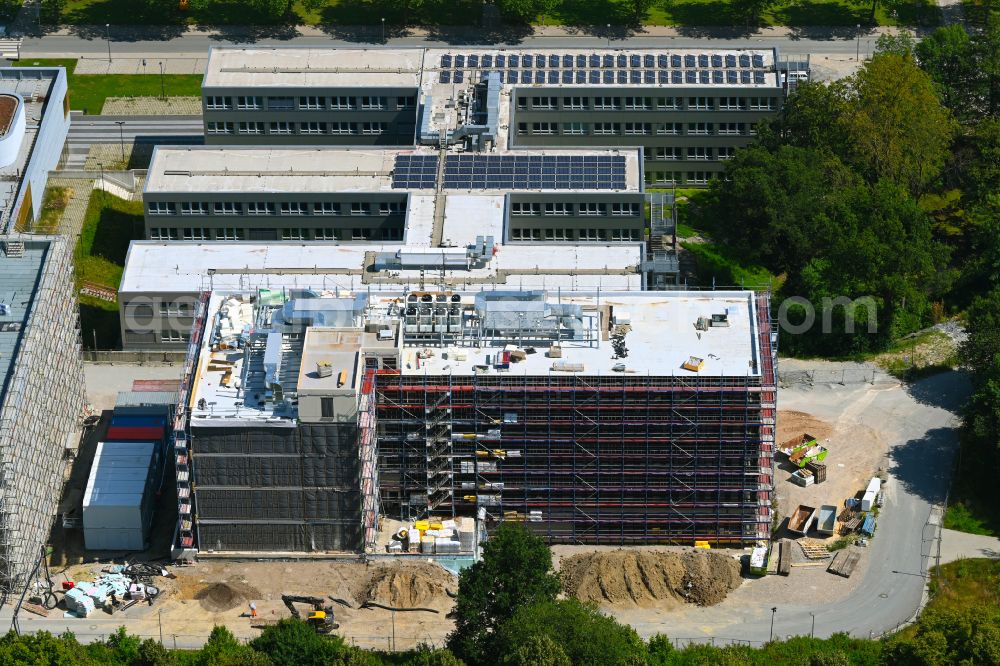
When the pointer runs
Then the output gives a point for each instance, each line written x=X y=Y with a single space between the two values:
x=752 y=129
x=573 y=128
x=522 y=103
x=544 y=103
x=663 y=177
x=725 y=152
x=195 y=233
x=372 y=128
x=213 y=127
x=260 y=208
x=194 y=208
x=214 y=103
x=760 y=103
x=326 y=208
x=342 y=103
x=699 y=153
x=543 y=128
x=251 y=128
x=343 y=128
x=557 y=234
x=625 y=209
x=280 y=127
x=731 y=128
x=360 y=208
x=525 y=208
x=372 y=103
x=592 y=234
x=621 y=235
x=522 y=129
x=227 y=208
x=634 y=129
x=700 y=103
x=732 y=103
x=606 y=128
x=324 y=234
x=557 y=208
x=160 y=208
x=607 y=103
x=230 y=234
x=326 y=408
x=575 y=103
x=390 y=207
x=312 y=128
x=392 y=233
x=668 y=128
x=163 y=233
x=698 y=177
x=280 y=103
x=638 y=103
x=668 y=103
x=174 y=336
x=409 y=102
x=294 y=234
x=294 y=208
x=360 y=234
x=667 y=153
x=590 y=208
x=311 y=103
x=247 y=103
x=699 y=128
x=175 y=309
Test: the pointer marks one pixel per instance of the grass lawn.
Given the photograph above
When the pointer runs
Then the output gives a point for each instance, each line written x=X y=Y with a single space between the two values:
x=87 y=92
x=720 y=264
x=53 y=205
x=109 y=226
x=467 y=12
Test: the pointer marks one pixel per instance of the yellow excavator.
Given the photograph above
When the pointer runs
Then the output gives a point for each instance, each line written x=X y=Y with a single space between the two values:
x=320 y=617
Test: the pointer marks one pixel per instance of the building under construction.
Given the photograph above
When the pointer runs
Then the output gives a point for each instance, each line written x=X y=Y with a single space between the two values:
x=41 y=395
x=593 y=417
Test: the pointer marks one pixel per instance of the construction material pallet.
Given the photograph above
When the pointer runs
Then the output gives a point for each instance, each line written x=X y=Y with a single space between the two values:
x=784 y=557
x=844 y=563
x=814 y=550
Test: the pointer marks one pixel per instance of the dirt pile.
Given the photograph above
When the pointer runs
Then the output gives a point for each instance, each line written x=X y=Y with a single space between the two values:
x=219 y=597
x=630 y=577
x=792 y=424
x=408 y=586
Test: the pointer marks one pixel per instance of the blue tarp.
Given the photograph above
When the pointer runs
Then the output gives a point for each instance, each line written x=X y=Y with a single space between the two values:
x=138 y=421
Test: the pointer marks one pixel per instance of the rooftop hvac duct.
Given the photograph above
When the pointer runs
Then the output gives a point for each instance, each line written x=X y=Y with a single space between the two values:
x=323 y=311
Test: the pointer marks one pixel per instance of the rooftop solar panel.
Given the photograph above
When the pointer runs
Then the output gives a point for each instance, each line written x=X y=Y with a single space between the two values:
x=567 y=61
x=553 y=60
x=676 y=77
x=501 y=60
x=730 y=60
x=718 y=77
x=703 y=60
x=446 y=61
x=622 y=60
x=459 y=76
x=512 y=77
x=553 y=76
x=581 y=61
x=608 y=61
x=513 y=61
x=487 y=60
x=444 y=76
x=732 y=77
x=540 y=61
x=758 y=60
x=758 y=77
x=567 y=76
x=581 y=76
x=595 y=76
x=635 y=76
x=508 y=172
x=460 y=61
x=635 y=61
x=664 y=76
x=609 y=76
x=691 y=76
x=662 y=61
x=473 y=61
x=648 y=61
x=744 y=60
x=650 y=76
x=595 y=60
x=704 y=77
x=675 y=61
x=716 y=61
x=744 y=77
x=689 y=61
x=415 y=171
x=622 y=76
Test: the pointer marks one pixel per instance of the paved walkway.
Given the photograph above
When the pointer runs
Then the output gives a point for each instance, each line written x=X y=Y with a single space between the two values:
x=76 y=209
x=956 y=545
x=119 y=65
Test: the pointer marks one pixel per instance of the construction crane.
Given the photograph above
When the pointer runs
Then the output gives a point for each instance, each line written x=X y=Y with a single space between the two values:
x=320 y=617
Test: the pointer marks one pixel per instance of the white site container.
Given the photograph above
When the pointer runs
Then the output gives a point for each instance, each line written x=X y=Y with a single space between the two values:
x=868 y=500
x=118 y=502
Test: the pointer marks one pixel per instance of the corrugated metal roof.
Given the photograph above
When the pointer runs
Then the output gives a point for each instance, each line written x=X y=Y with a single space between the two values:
x=141 y=398
x=118 y=475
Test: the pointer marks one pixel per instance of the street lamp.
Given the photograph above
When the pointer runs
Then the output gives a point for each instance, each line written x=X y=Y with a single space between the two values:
x=159 y=619
x=857 y=50
x=609 y=35
x=812 y=632
x=163 y=90
x=121 y=135
x=383 y=30
x=774 y=609
x=107 y=32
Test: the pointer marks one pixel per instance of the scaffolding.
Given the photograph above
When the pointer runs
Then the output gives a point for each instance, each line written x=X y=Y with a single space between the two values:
x=41 y=399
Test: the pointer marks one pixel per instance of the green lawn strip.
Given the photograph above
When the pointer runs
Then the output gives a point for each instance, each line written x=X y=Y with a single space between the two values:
x=53 y=206
x=87 y=92
x=467 y=12
x=109 y=226
x=719 y=263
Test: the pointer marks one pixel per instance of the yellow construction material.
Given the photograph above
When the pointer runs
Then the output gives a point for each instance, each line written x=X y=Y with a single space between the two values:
x=702 y=544
x=422 y=525
x=694 y=364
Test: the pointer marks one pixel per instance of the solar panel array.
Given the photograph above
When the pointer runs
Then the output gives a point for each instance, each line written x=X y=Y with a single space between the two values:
x=609 y=69
x=415 y=171
x=534 y=172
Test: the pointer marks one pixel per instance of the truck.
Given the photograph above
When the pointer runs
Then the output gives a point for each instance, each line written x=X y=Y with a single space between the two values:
x=826 y=521
x=803 y=449
x=799 y=521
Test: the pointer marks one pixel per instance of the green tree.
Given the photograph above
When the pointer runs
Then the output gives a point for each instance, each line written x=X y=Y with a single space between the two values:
x=981 y=350
x=515 y=570
x=586 y=636
x=537 y=650
x=896 y=123
x=811 y=118
x=525 y=11
x=900 y=44
x=427 y=656
x=661 y=651
x=947 y=56
x=41 y=648
x=750 y=12
x=292 y=642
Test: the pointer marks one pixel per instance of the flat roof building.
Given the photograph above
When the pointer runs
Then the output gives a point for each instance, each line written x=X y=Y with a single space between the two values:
x=41 y=394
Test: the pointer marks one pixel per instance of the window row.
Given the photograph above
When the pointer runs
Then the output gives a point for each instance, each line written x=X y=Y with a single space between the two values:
x=565 y=208
x=689 y=153
x=555 y=234
x=293 y=234
x=680 y=177
x=636 y=129
x=308 y=103
x=613 y=103
x=286 y=127
x=363 y=208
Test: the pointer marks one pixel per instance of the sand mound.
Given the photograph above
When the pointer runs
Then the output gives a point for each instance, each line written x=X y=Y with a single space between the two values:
x=408 y=586
x=792 y=424
x=630 y=577
x=219 y=597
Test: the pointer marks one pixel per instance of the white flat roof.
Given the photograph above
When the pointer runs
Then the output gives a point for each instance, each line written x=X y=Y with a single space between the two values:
x=184 y=266
x=209 y=169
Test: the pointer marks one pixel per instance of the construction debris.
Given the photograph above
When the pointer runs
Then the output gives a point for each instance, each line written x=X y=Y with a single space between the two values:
x=813 y=549
x=844 y=563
